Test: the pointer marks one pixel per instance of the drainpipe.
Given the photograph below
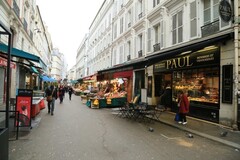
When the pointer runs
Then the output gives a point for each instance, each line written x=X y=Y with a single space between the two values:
x=236 y=21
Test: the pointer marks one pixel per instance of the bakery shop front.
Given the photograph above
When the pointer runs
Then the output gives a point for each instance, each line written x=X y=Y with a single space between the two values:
x=198 y=75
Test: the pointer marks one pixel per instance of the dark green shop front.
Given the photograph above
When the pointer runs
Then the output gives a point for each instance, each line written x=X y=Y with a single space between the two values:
x=198 y=75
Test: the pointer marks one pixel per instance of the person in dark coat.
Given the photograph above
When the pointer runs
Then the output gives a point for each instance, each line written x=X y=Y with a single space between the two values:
x=166 y=98
x=183 y=104
x=51 y=91
x=70 y=91
x=61 y=94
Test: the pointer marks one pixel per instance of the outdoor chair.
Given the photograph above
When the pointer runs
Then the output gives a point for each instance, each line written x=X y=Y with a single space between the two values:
x=126 y=110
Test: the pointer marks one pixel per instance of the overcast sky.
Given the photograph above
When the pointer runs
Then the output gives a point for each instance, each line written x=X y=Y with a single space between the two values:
x=68 y=22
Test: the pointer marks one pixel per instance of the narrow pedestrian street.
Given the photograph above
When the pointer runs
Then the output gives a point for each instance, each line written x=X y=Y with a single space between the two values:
x=76 y=132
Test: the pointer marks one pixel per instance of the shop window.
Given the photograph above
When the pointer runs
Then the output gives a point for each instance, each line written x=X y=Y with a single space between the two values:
x=200 y=85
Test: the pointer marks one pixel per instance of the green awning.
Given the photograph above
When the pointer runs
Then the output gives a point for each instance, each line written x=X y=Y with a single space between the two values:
x=19 y=53
x=34 y=70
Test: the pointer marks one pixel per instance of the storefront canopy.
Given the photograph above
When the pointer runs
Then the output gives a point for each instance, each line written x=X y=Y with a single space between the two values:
x=47 y=79
x=21 y=54
x=34 y=70
x=189 y=47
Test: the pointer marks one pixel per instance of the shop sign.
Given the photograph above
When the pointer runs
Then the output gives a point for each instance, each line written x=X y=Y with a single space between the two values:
x=23 y=105
x=3 y=62
x=225 y=10
x=195 y=59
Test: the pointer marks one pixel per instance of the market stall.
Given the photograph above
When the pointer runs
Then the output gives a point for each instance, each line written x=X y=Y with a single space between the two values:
x=107 y=102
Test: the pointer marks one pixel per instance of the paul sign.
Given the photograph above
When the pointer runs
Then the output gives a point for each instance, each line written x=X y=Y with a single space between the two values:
x=225 y=10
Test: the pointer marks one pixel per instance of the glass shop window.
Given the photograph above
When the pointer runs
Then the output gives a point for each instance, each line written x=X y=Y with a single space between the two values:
x=199 y=84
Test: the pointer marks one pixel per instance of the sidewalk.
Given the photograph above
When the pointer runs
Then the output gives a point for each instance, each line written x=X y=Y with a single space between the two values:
x=205 y=129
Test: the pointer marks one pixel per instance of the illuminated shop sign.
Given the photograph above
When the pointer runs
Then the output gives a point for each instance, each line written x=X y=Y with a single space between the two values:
x=195 y=59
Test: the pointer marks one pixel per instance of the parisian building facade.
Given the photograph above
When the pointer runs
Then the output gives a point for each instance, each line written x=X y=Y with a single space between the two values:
x=193 y=45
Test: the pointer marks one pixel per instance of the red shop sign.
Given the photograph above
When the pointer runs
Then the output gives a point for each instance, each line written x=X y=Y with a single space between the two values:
x=3 y=62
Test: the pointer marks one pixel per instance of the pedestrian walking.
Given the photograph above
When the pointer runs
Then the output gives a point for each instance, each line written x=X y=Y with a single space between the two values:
x=61 y=93
x=51 y=91
x=183 y=104
x=70 y=91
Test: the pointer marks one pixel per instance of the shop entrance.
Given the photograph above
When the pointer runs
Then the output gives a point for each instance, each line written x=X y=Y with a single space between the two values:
x=163 y=89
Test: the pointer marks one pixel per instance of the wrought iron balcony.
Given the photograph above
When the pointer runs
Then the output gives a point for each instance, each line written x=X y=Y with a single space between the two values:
x=139 y=53
x=128 y=57
x=140 y=15
x=16 y=8
x=31 y=35
x=25 y=24
x=156 y=47
x=129 y=24
x=121 y=6
x=210 y=28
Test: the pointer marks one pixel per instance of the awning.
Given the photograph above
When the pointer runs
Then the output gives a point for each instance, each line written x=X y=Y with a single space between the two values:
x=34 y=70
x=47 y=79
x=123 y=74
x=193 y=46
x=129 y=65
x=74 y=81
x=19 y=53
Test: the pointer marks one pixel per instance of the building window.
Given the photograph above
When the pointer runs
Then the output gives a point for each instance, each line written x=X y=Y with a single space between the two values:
x=121 y=25
x=157 y=33
x=161 y=34
x=129 y=47
x=193 y=19
x=211 y=11
x=155 y=3
x=177 y=31
x=149 y=40
x=121 y=57
x=115 y=31
x=140 y=42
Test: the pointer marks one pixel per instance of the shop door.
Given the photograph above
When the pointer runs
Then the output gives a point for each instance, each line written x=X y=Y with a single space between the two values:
x=139 y=82
x=161 y=81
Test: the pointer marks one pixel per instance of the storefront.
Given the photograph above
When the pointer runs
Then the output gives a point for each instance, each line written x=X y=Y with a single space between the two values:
x=3 y=66
x=120 y=79
x=198 y=75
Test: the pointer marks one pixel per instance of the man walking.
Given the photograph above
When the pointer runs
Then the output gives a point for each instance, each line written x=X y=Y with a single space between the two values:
x=51 y=91
x=70 y=91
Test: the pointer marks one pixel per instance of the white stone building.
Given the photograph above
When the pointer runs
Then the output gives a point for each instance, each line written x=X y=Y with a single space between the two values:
x=185 y=43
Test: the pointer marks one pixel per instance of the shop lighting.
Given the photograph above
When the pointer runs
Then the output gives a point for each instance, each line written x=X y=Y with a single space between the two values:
x=208 y=48
x=187 y=52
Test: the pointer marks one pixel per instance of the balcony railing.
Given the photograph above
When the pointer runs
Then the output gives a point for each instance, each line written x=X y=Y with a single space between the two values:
x=16 y=8
x=210 y=28
x=139 y=53
x=25 y=24
x=156 y=47
x=31 y=35
x=129 y=24
x=140 y=15
x=121 y=6
x=128 y=57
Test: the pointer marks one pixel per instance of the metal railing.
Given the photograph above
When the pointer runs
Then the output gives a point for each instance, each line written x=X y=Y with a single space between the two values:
x=140 y=53
x=156 y=47
x=210 y=28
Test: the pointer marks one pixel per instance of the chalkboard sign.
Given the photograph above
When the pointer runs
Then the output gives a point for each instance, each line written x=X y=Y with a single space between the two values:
x=227 y=84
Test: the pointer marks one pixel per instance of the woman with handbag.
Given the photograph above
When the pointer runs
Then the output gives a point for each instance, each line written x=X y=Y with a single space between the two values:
x=183 y=104
x=51 y=94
